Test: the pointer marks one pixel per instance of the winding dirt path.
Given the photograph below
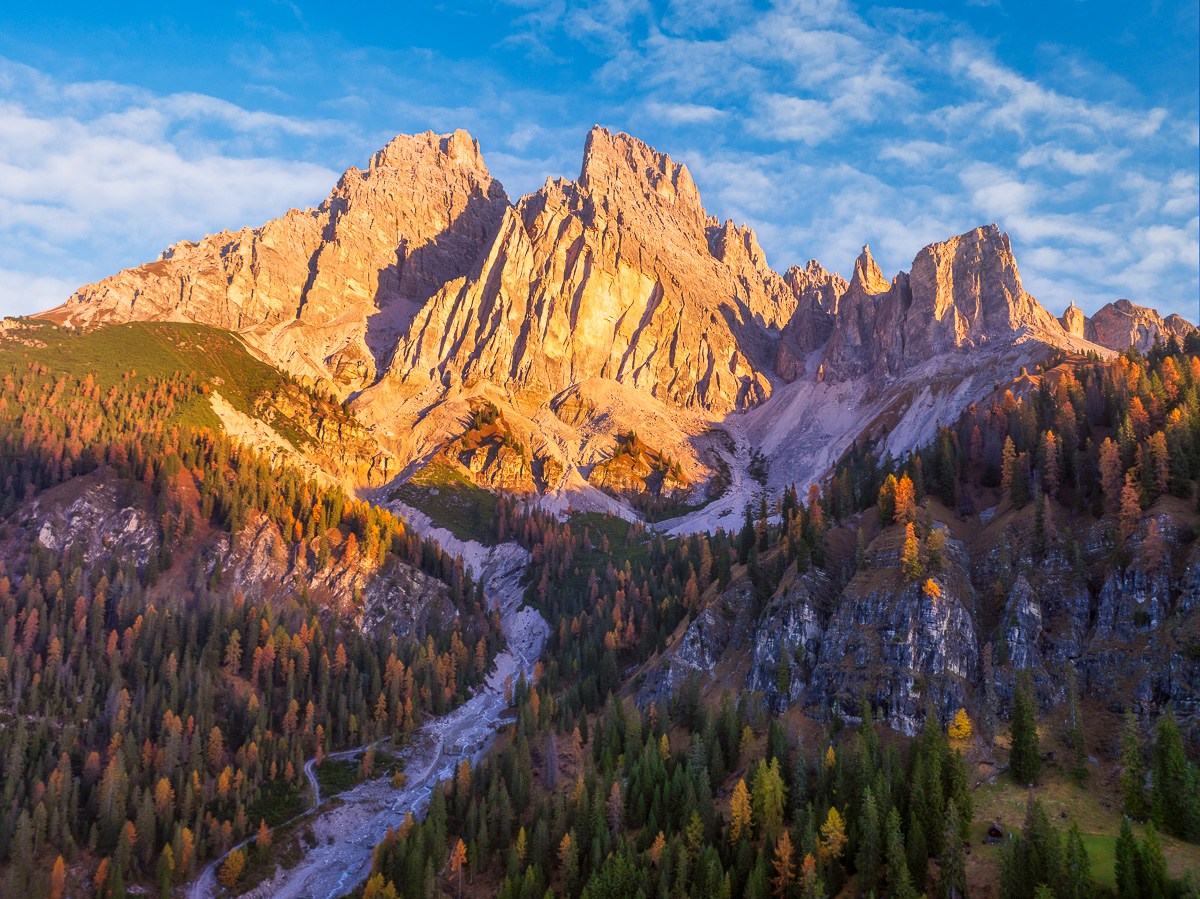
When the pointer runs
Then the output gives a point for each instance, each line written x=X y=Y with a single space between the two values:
x=206 y=883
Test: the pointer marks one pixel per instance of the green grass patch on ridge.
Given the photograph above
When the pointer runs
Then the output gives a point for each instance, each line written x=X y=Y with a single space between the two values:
x=452 y=501
x=151 y=350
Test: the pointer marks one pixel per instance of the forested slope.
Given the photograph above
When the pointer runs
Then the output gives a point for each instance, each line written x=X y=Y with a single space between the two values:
x=165 y=670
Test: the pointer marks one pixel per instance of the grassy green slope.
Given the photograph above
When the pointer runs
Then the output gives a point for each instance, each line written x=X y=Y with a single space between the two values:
x=149 y=350
x=452 y=501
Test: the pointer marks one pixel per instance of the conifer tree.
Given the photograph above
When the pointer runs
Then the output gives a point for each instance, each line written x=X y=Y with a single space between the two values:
x=953 y=868
x=811 y=886
x=1174 y=783
x=1076 y=867
x=1131 y=508
x=833 y=836
x=906 y=504
x=1111 y=481
x=231 y=869
x=1025 y=760
x=1008 y=459
x=58 y=879
x=768 y=797
x=866 y=861
x=886 y=502
x=741 y=814
x=458 y=859
x=916 y=850
x=960 y=728
x=785 y=871
x=1125 y=870
x=165 y=873
x=1133 y=770
x=899 y=881
x=911 y=555
x=1075 y=738
x=1152 y=867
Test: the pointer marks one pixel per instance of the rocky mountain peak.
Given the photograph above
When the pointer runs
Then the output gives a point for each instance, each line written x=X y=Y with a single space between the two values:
x=867 y=275
x=970 y=286
x=325 y=292
x=623 y=168
x=1123 y=323
x=730 y=243
x=818 y=294
x=1074 y=322
x=820 y=288
x=455 y=150
x=960 y=293
x=621 y=275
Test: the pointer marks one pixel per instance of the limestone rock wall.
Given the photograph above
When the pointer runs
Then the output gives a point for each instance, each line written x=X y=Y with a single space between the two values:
x=1123 y=324
x=618 y=275
x=324 y=292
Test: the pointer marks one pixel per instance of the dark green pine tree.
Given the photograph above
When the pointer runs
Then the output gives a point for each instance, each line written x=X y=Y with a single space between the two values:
x=1075 y=738
x=866 y=861
x=746 y=539
x=1133 y=770
x=1025 y=760
x=953 y=874
x=1152 y=866
x=899 y=881
x=1174 y=787
x=916 y=849
x=1035 y=860
x=1125 y=865
x=1076 y=867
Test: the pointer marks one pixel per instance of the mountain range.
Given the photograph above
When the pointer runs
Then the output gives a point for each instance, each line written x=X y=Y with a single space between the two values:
x=595 y=307
x=590 y=516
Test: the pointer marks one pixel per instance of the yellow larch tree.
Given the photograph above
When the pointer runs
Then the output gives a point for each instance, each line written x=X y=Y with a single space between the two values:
x=833 y=836
x=458 y=858
x=231 y=869
x=740 y=812
x=960 y=728
x=58 y=879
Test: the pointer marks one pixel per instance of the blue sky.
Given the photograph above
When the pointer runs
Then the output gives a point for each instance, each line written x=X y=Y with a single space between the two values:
x=1074 y=124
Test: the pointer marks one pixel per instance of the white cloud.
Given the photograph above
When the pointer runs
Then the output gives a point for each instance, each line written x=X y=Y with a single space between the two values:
x=202 y=107
x=25 y=292
x=820 y=125
x=796 y=119
x=117 y=185
x=917 y=153
x=684 y=113
x=1183 y=194
x=1006 y=100
x=1072 y=161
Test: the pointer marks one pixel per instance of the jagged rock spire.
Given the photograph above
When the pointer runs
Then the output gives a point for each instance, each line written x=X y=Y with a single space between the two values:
x=868 y=275
x=1073 y=321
